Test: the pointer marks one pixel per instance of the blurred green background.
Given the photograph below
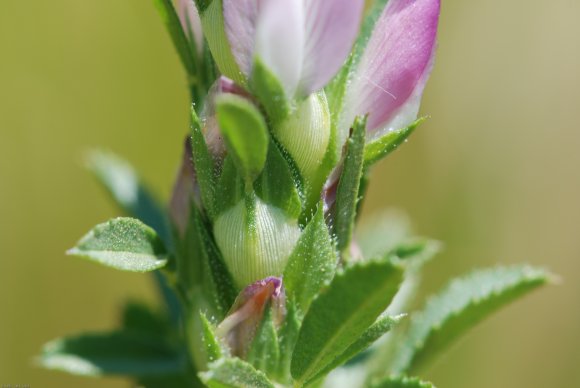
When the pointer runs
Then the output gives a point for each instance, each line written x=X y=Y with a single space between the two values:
x=494 y=174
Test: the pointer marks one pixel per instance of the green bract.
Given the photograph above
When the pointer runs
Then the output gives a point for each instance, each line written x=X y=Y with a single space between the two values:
x=265 y=278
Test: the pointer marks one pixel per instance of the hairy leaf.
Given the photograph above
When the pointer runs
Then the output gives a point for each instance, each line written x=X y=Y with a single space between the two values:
x=204 y=165
x=312 y=263
x=264 y=353
x=234 y=373
x=465 y=302
x=347 y=194
x=123 y=243
x=384 y=145
x=341 y=314
x=401 y=382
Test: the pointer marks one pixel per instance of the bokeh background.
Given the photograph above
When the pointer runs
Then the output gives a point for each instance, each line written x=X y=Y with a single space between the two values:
x=494 y=174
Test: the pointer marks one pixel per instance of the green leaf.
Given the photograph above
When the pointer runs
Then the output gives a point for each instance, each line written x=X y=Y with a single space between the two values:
x=312 y=263
x=115 y=353
x=200 y=263
x=123 y=184
x=288 y=335
x=381 y=326
x=264 y=353
x=270 y=92
x=245 y=134
x=401 y=382
x=461 y=305
x=347 y=194
x=204 y=166
x=341 y=314
x=140 y=317
x=384 y=145
x=230 y=188
x=234 y=373
x=212 y=344
x=126 y=244
x=276 y=185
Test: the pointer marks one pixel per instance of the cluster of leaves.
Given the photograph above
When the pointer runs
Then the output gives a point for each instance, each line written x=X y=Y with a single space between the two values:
x=338 y=307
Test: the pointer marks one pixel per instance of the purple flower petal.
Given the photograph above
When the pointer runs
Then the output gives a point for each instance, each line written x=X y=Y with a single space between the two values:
x=331 y=29
x=280 y=40
x=395 y=66
x=240 y=19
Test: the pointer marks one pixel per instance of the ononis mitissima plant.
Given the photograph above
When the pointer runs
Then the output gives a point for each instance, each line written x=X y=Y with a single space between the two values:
x=264 y=281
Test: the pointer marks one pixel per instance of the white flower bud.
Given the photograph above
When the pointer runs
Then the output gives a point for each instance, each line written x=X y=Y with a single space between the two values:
x=255 y=239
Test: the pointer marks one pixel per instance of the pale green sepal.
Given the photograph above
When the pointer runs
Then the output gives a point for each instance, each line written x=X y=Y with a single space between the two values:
x=270 y=92
x=400 y=382
x=245 y=134
x=347 y=195
x=212 y=21
x=462 y=304
x=312 y=262
x=230 y=188
x=305 y=134
x=234 y=373
x=341 y=314
x=255 y=239
x=384 y=145
x=123 y=243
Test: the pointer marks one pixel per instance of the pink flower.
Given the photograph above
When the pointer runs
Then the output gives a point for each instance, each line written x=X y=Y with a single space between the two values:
x=302 y=42
x=393 y=70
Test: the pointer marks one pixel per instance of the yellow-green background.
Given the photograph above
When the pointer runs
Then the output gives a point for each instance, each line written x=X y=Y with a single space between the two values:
x=495 y=173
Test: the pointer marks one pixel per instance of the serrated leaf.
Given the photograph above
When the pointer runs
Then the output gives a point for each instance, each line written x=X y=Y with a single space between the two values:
x=264 y=352
x=203 y=165
x=381 y=326
x=270 y=92
x=401 y=382
x=347 y=194
x=276 y=185
x=123 y=243
x=389 y=142
x=213 y=348
x=341 y=314
x=312 y=263
x=121 y=181
x=115 y=353
x=462 y=304
x=234 y=373
x=245 y=134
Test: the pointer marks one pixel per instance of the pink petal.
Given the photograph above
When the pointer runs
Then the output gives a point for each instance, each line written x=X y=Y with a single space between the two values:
x=280 y=40
x=395 y=66
x=240 y=19
x=331 y=29
x=185 y=190
x=190 y=21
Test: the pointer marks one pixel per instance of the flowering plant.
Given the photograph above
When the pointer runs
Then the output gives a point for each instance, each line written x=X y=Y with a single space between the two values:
x=265 y=282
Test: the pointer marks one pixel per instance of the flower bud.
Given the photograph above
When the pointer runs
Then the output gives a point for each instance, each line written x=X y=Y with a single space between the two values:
x=255 y=239
x=305 y=134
